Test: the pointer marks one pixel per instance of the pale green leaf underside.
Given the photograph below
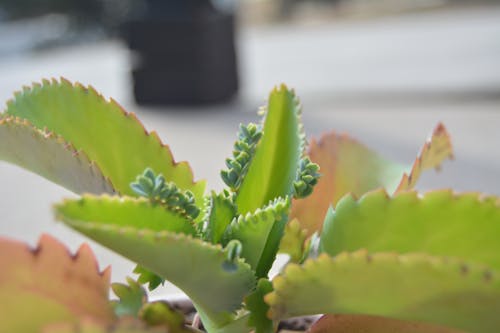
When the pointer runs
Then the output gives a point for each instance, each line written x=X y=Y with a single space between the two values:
x=138 y=213
x=274 y=166
x=410 y=287
x=50 y=156
x=440 y=223
x=186 y=262
x=114 y=139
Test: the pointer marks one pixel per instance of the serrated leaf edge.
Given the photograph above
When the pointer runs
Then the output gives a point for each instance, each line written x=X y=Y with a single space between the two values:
x=479 y=197
x=112 y=199
x=155 y=236
x=80 y=155
x=274 y=208
x=281 y=281
x=407 y=180
x=116 y=107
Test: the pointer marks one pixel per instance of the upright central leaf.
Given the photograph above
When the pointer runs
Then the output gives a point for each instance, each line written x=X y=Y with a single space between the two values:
x=273 y=169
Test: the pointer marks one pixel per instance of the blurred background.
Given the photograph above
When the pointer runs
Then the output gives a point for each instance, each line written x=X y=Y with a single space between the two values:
x=384 y=71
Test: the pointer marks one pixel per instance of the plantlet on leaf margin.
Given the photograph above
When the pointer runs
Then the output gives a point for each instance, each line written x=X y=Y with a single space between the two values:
x=244 y=150
x=157 y=190
x=165 y=223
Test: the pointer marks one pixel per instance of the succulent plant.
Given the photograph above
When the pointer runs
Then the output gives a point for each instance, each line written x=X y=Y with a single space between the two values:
x=364 y=248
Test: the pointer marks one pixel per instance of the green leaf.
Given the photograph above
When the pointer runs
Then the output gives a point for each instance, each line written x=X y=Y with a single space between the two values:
x=258 y=308
x=139 y=213
x=162 y=314
x=122 y=325
x=131 y=297
x=147 y=277
x=341 y=323
x=46 y=285
x=273 y=169
x=415 y=287
x=347 y=166
x=50 y=156
x=221 y=212
x=156 y=317
x=108 y=135
x=439 y=223
x=293 y=242
x=186 y=262
x=237 y=325
x=260 y=234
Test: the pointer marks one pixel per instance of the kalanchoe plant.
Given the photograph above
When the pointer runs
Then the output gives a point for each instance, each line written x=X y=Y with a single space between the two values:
x=392 y=260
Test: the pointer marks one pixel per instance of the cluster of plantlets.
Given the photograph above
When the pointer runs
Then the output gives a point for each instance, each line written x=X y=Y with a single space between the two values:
x=392 y=260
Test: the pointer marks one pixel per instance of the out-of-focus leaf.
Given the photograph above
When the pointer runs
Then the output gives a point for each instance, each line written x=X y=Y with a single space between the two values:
x=174 y=257
x=413 y=287
x=50 y=156
x=147 y=277
x=122 y=325
x=162 y=314
x=46 y=285
x=434 y=151
x=108 y=135
x=257 y=233
x=258 y=318
x=138 y=213
x=440 y=223
x=372 y=324
x=293 y=242
x=273 y=169
x=131 y=297
x=347 y=166
x=156 y=317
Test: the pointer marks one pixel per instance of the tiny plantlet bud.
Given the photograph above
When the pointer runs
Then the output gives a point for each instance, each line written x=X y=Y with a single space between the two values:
x=307 y=177
x=233 y=252
x=233 y=249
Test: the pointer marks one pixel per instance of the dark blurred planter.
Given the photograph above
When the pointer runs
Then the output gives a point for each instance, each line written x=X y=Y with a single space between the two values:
x=186 y=54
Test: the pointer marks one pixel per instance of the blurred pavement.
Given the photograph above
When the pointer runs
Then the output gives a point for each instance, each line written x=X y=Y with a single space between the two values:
x=386 y=81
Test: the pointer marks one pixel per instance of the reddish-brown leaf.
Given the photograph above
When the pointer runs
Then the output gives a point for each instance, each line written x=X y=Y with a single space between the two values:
x=334 y=323
x=348 y=166
x=48 y=284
